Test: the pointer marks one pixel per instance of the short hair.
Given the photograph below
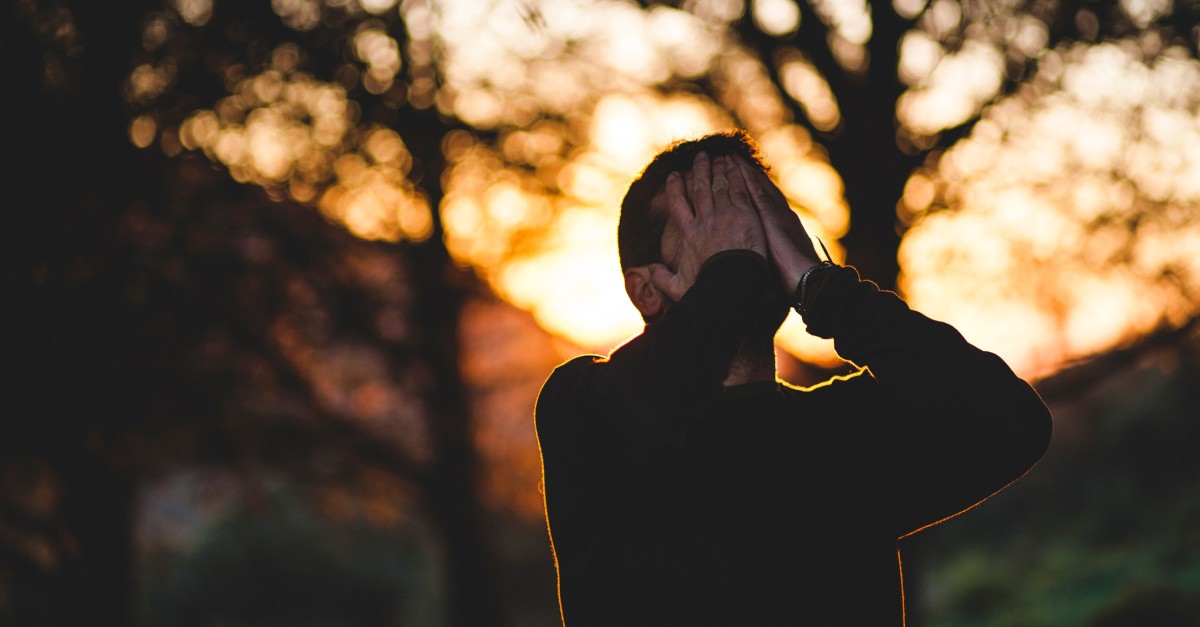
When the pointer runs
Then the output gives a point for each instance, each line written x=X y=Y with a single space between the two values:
x=640 y=228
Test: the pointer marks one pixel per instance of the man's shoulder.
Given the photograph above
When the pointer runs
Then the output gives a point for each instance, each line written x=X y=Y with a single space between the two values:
x=568 y=371
x=564 y=378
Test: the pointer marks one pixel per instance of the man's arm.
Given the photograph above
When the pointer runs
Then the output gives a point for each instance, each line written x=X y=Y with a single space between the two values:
x=958 y=424
x=955 y=424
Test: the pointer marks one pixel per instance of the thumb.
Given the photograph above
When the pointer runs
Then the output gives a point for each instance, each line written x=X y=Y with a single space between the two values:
x=666 y=281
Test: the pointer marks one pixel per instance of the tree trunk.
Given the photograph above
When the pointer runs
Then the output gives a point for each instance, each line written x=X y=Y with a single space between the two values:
x=452 y=488
x=866 y=154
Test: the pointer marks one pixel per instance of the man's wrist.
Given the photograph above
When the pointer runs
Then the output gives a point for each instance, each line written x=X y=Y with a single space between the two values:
x=808 y=286
x=797 y=271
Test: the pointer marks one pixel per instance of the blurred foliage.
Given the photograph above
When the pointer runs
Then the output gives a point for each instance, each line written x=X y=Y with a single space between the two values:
x=280 y=562
x=163 y=315
x=217 y=548
x=1070 y=212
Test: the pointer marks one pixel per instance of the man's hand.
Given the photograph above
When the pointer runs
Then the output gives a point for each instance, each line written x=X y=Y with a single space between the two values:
x=720 y=216
x=790 y=246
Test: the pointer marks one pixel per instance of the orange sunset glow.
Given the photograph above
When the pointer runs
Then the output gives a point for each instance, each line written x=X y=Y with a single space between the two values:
x=1036 y=207
x=995 y=225
x=535 y=214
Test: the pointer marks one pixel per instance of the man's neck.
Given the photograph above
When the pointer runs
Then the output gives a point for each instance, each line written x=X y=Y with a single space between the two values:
x=751 y=365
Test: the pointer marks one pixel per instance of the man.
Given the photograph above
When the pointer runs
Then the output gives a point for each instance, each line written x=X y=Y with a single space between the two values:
x=684 y=485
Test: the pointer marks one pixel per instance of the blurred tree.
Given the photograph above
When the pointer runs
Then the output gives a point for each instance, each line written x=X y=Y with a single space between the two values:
x=1042 y=150
x=885 y=86
x=527 y=119
x=160 y=313
x=163 y=308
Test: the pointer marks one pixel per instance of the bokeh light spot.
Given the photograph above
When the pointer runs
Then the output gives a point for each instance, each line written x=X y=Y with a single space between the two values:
x=776 y=17
x=142 y=131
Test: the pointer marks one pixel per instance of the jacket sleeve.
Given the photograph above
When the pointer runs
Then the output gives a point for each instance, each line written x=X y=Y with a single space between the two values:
x=953 y=423
x=603 y=418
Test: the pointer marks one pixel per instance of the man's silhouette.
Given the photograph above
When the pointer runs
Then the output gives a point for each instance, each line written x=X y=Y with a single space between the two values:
x=686 y=486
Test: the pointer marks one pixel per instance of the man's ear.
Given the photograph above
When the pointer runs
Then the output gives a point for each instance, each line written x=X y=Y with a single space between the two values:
x=642 y=293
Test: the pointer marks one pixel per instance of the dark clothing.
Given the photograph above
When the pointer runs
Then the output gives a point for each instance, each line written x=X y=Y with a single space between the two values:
x=674 y=501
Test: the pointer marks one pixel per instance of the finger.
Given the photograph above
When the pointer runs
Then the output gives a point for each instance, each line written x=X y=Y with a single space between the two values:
x=702 y=184
x=720 y=178
x=758 y=187
x=738 y=189
x=678 y=207
x=666 y=281
x=776 y=214
x=760 y=176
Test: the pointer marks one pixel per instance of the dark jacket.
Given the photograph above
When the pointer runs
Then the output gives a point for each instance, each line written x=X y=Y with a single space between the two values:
x=672 y=500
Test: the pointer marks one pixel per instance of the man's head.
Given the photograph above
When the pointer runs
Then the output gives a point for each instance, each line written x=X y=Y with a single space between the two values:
x=643 y=210
x=643 y=231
